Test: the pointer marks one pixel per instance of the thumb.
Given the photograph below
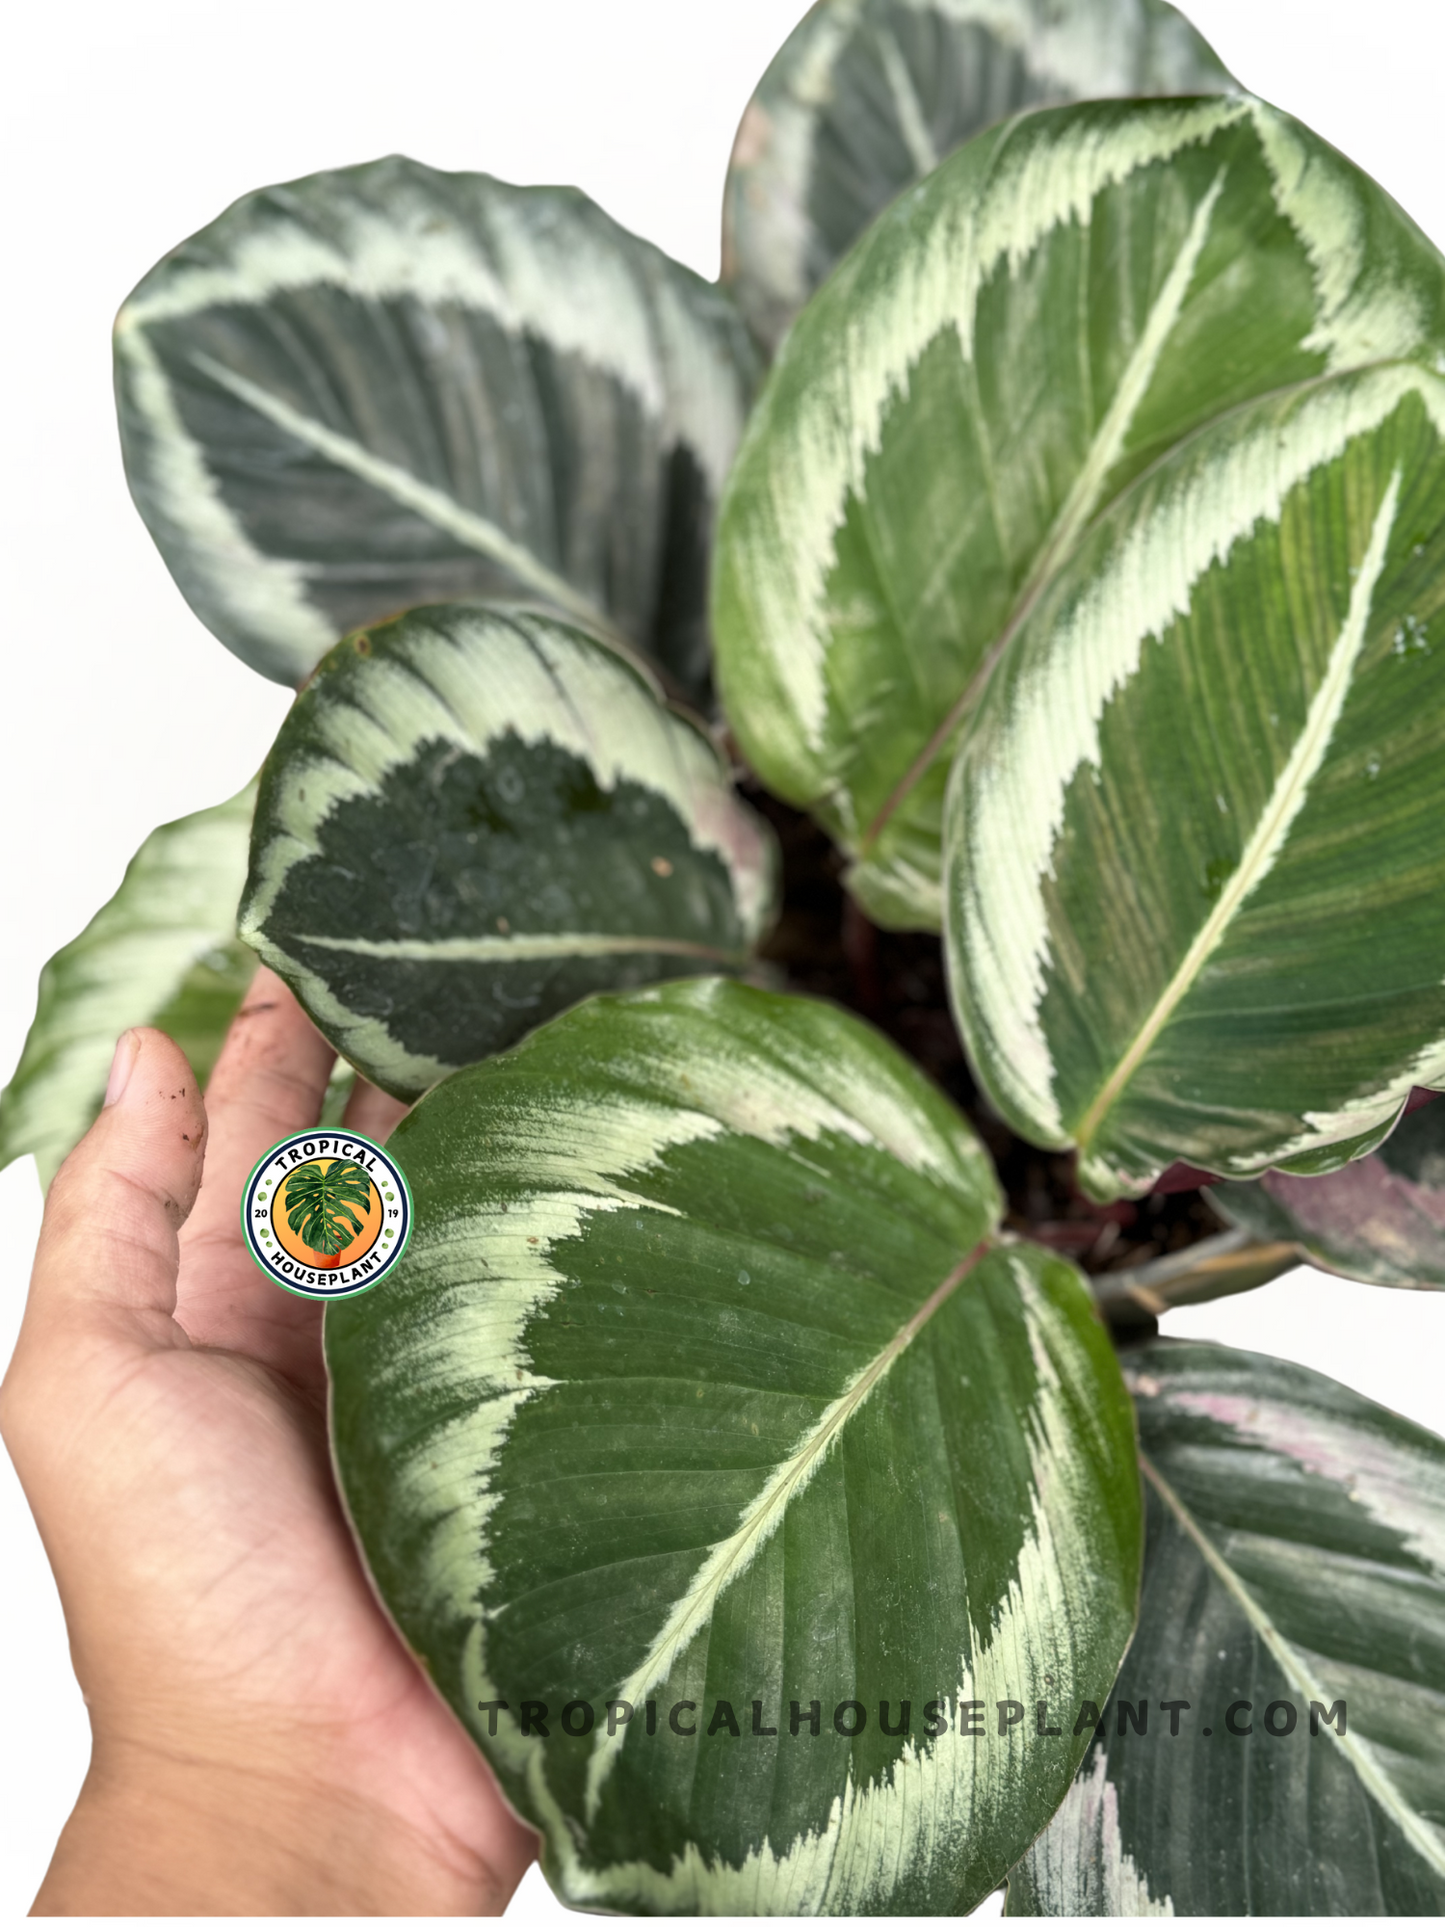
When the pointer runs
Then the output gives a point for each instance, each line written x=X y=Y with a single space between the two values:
x=108 y=1249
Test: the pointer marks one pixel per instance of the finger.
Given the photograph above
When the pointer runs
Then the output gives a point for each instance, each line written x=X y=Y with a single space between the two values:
x=373 y=1112
x=108 y=1243
x=269 y=1081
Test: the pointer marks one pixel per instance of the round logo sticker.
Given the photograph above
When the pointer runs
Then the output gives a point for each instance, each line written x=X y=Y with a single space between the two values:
x=326 y=1214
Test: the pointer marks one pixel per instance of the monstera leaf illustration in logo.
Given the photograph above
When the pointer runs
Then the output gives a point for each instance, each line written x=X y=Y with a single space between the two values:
x=322 y=1202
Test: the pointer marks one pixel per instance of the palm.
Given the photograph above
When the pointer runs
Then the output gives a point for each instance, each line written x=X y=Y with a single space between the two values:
x=265 y=1593
x=217 y=1605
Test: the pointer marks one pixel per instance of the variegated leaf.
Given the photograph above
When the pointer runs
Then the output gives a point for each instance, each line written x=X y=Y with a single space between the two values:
x=1380 y=1219
x=163 y=951
x=1196 y=875
x=472 y=817
x=867 y=96
x=1294 y=1585
x=708 y=1387
x=1052 y=311
x=386 y=385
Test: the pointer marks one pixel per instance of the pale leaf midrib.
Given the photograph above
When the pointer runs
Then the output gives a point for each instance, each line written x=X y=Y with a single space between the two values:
x=730 y=1556
x=1022 y=610
x=1285 y=802
x=911 y=122
x=1108 y=441
x=1291 y=1663
x=432 y=504
x=520 y=949
x=1079 y=505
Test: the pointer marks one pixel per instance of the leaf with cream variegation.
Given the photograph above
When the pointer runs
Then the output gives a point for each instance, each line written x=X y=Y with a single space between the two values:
x=1293 y=1619
x=163 y=951
x=1058 y=306
x=386 y=385
x=1380 y=1219
x=1196 y=887
x=708 y=1385
x=474 y=816
x=865 y=97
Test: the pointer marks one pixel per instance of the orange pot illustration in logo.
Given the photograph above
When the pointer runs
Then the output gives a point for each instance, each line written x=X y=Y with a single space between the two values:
x=330 y=1214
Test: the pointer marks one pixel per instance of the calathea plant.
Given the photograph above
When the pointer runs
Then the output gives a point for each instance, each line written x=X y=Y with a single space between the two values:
x=737 y=1446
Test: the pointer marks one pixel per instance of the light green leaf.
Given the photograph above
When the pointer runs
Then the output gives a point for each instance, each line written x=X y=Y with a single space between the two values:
x=1380 y=1219
x=1196 y=881
x=339 y=1087
x=163 y=951
x=707 y=1377
x=387 y=385
x=472 y=817
x=1296 y=1561
x=1051 y=312
x=867 y=96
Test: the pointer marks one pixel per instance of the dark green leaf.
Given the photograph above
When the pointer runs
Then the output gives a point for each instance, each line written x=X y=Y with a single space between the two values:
x=1380 y=1219
x=708 y=1377
x=386 y=385
x=867 y=96
x=1063 y=302
x=1296 y=1561
x=1196 y=882
x=473 y=817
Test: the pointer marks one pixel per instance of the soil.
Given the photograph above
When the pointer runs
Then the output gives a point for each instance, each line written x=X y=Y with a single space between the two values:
x=827 y=948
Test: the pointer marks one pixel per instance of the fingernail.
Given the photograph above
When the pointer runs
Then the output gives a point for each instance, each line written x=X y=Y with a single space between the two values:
x=122 y=1064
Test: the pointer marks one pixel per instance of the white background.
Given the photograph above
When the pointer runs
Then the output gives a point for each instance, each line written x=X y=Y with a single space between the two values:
x=126 y=128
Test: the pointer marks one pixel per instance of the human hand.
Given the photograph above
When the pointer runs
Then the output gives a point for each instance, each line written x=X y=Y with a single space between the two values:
x=262 y=1742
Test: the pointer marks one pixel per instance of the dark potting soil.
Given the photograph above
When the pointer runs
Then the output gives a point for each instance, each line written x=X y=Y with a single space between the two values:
x=828 y=948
